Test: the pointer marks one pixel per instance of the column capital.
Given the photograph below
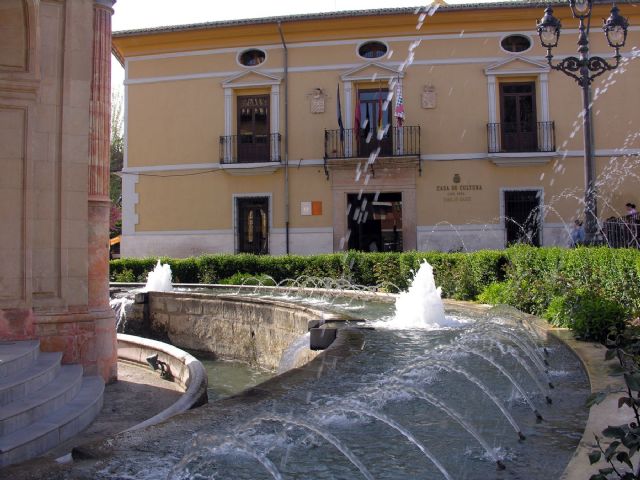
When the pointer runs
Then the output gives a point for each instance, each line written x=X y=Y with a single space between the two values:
x=104 y=3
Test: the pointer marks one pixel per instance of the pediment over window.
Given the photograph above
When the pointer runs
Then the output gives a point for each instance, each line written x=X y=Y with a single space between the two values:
x=251 y=79
x=371 y=72
x=517 y=65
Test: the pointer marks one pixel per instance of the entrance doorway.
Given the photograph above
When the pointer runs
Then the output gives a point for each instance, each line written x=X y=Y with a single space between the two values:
x=375 y=222
x=518 y=117
x=522 y=216
x=253 y=225
x=253 y=128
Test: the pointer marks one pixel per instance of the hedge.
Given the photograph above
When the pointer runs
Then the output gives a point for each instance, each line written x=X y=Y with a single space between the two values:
x=462 y=276
x=527 y=278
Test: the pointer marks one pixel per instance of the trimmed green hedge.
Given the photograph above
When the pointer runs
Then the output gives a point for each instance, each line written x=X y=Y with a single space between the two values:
x=528 y=278
x=462 y=276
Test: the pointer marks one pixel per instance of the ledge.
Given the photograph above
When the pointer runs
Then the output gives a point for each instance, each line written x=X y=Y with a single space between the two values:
x=521 y=159
x=187 y=371
x=249 y=168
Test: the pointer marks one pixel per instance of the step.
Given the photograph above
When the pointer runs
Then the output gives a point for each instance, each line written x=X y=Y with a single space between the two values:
x=42 y=402
x=58 y=426
x=25 y=382
x=18 y=355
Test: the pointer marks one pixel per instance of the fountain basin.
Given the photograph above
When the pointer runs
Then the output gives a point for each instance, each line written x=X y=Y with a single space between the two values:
x=185 y=370
x=253 y=330
x=306 y=388
x=205 y=319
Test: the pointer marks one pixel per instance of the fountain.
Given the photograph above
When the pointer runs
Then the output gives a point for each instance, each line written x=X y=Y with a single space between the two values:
x=436 y=395
x=158 y=280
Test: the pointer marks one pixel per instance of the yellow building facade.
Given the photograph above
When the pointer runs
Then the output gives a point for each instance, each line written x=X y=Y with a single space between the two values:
x=233 y=142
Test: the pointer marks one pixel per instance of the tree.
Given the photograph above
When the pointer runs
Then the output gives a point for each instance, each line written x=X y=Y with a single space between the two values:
x=116 y=161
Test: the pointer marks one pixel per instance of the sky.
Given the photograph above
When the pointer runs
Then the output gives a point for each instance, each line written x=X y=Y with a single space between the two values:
x=134 y=14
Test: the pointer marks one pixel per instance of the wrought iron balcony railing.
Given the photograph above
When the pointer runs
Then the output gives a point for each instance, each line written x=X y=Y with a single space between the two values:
x=622 y=232
x=396 y=142
x=250 y=148
x=521 y=137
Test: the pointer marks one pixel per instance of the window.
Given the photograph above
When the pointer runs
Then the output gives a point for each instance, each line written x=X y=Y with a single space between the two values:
x=372 y=50
x=252 y=57
x=522 y=216
x=518 y=117
x=252 y=225
x=253 y=128
x=516 y=43
x=373 y=115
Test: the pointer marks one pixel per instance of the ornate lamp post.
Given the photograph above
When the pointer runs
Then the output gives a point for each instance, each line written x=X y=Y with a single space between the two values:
x=584 y=69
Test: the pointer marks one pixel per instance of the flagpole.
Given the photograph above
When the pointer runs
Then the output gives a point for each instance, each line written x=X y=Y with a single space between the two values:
x=340 y=124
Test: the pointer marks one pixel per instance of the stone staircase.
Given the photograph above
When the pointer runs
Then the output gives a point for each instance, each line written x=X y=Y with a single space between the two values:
x=42 y=403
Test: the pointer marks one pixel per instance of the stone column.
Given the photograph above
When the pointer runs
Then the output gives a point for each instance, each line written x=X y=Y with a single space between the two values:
x=99 y=202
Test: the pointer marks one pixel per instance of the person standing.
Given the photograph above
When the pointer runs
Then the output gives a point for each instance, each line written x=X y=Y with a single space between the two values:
x=577 y=236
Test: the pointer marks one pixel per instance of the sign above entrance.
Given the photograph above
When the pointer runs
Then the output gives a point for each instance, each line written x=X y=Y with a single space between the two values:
x=457 y=191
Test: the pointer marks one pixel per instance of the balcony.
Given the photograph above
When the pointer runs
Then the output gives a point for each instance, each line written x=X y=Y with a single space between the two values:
x=396 y=142
x=247 y=149
x=521 y=137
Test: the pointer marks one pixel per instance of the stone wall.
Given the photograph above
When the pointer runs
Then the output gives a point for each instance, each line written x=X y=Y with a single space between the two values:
x=54 y=153
x=251 y=330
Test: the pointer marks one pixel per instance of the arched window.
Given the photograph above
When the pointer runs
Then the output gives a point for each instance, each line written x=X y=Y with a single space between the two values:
x=372 y=49
x=252 y=57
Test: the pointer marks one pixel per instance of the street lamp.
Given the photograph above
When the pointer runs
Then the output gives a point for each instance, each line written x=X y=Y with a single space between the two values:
x=584 y=69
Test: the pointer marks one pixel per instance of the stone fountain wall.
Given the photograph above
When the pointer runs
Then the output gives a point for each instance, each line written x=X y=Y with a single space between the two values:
x=251 y=330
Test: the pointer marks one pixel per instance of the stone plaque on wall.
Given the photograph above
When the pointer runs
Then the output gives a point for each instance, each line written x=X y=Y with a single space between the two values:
x=429 y=97
x=317 y=101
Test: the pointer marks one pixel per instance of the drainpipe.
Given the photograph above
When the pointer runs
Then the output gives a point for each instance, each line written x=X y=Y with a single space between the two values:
x=286 y=139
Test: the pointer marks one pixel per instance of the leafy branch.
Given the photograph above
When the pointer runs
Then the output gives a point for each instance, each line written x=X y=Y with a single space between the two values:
x=625 y=438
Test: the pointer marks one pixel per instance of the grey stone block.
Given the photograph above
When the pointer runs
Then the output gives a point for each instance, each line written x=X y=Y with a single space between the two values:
x=41 y=402
x=23 y=383
x=321 y=338
x=15 y=356
x=141 y=297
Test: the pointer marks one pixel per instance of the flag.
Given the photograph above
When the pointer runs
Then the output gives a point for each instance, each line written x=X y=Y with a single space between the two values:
x=369 y=123
x=399 y=105
x=340 y=117
x=379 y=110
x=357 y=120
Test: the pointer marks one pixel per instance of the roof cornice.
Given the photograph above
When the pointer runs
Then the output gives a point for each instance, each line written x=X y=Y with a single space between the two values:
x=508 y=4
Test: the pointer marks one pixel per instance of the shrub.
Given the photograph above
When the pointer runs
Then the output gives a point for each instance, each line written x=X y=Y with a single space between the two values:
x=247 y=279
x=125 y=276
x=184 y=270
x=494 y=294
x=139 y=268
x=590 y=316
